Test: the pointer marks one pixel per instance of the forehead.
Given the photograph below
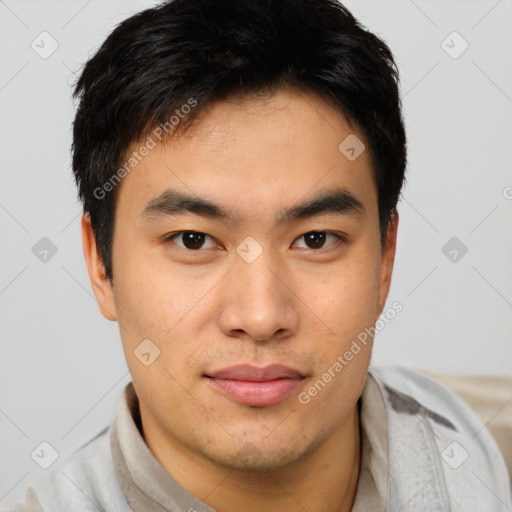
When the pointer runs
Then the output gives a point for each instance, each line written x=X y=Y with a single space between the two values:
x=256 y=153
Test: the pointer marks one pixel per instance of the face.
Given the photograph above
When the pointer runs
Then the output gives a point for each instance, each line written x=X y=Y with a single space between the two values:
x=249 y=278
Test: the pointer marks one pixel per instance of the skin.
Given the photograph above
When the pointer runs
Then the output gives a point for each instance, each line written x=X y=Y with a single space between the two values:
x=209 y=309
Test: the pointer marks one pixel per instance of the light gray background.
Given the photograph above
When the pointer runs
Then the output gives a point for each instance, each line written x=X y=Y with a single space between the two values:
x=61 y=366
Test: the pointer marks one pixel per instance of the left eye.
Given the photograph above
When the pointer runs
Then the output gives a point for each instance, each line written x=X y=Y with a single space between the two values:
x=316 y=239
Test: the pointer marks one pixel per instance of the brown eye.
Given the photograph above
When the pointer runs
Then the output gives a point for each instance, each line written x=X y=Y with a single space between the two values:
x=316 y=239
x=191 y=240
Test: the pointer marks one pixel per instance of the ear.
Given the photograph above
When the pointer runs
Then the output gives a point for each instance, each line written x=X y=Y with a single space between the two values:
x=387 y=260
x=100 y=283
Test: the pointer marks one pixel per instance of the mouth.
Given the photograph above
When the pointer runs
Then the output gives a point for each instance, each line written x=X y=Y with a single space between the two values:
x=256 y=387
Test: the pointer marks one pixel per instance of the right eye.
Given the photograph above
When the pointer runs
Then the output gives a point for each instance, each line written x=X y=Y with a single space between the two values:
x=191 y=240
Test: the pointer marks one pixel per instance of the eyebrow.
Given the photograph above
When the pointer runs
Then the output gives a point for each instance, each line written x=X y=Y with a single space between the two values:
x=338 y=201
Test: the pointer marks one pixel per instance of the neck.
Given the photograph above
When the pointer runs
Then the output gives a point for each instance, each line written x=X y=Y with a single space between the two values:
x=325 y=480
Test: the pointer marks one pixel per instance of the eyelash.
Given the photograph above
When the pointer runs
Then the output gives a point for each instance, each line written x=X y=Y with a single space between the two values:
x=169 y=238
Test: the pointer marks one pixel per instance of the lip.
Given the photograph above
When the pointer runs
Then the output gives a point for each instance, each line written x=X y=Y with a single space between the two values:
x=257 y=387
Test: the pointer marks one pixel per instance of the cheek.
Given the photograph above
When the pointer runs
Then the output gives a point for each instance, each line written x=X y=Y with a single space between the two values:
x=348 y=299
x=150 y=294
x=160 y=304
x=348 y=305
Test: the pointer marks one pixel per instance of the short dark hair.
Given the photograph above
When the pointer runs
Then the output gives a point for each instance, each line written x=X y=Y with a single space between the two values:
x=185 y=52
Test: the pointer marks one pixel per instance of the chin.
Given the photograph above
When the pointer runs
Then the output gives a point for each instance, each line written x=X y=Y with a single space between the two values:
x=258 y=456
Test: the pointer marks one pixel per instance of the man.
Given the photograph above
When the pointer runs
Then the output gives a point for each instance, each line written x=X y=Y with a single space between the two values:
x=240 y=164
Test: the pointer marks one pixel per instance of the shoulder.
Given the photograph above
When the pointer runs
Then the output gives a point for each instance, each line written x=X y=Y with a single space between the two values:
x=85 y=481
x=439 y=402
x=435 y=437
x=424 y=390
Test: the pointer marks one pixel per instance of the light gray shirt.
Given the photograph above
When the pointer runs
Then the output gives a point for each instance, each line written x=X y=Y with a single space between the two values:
x=422 y=449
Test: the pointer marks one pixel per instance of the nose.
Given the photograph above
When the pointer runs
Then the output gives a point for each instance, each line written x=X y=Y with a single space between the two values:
x=259 y=302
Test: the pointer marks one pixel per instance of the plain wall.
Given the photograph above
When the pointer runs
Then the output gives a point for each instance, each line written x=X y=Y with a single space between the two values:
x=62 y=368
